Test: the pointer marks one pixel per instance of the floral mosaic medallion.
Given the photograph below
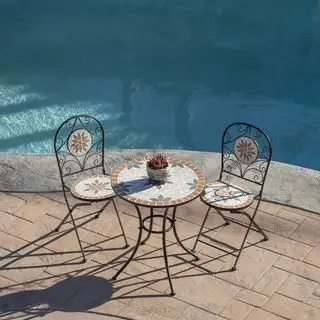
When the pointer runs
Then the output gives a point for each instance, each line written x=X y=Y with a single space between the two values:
x=225 y=196
x=79 y=142
x=246 y=150
x=93 y=188
x=184 y=183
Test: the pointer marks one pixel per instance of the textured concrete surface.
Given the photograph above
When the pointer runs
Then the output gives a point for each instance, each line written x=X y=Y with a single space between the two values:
x=285 y=183
x=41 y=274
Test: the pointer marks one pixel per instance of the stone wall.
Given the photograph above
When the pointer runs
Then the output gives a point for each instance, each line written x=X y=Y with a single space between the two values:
x=285 y=183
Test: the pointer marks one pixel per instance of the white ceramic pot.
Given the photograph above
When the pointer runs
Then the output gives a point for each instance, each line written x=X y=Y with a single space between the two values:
x=157 y=175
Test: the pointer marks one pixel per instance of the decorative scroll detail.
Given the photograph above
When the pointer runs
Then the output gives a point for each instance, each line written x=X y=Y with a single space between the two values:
x=79 y=144
x=246 y=152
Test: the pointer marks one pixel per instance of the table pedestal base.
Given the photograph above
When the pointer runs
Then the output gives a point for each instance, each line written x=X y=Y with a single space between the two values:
x=163 y=231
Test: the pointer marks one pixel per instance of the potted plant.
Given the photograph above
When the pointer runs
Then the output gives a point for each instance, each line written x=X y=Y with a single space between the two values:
x=157 y=168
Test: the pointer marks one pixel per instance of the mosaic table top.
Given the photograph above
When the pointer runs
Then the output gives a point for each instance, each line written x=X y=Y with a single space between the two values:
x=93 y=188
x=185 y=182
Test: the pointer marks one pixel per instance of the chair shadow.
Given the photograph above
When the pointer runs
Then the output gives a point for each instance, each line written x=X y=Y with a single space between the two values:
x=47 y=239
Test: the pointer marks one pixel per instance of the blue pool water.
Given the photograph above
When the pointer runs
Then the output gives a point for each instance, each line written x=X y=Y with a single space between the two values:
x=160 y=73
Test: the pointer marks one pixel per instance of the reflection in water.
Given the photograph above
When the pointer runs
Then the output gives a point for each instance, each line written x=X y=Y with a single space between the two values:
x=162 y=74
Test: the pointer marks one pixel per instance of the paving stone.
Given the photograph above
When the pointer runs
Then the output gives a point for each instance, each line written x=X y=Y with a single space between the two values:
x=41 y=228
x=307 y=232
x=314 y=256
x=108 y=223
x=195 y=212
x=126 y=285
x=262 y=315
x=56 y=196
x=9 y=203
x=154 y=279
x=311 y=215
x=7 y=286
x=297 y=288
x=29 y=265
x=232 y=235
x=97 y=241
x=314 y=299
x=59 y=210
x=41 y=233
x=292 y=309
x=11 y=224
x=122 y=205
x=12 y=243
x=317 y=291
x=253 y=263
x=251 y=297
x=114 y=253
x=178 y=259
x=208 y=264
x=270 y=281
x=299 y=268
x=193 y=313
x=185 y=230
x=274 y=224
x=6 y=257
x=236 y=310
x=284 y=213
x=269 y=207
x=35 y=208
x=70 y=263
x=197 y=289
x=27 y=196
x=88 y=315
x=152 y=306
x=110 y=310
x=282 y=245
x=214 y=253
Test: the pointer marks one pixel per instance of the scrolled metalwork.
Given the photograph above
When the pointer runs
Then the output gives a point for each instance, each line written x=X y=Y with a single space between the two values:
x=69 y=162
x=254 y=171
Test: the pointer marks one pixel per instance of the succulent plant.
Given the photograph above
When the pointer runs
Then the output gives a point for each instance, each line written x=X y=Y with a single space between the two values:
x=157 y=161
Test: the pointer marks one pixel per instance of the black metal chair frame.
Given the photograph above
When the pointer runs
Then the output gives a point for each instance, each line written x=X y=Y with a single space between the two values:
x=254 y=173
x=92 y=159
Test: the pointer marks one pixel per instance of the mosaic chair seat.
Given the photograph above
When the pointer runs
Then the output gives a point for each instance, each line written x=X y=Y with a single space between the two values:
x=79 y=149
x=226 y=196
x=245 y=156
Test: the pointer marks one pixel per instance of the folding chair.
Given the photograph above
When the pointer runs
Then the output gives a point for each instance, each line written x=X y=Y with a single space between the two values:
x=79 y=147
x=246 y=153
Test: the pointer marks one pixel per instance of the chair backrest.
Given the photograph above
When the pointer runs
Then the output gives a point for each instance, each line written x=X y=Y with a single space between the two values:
x=79 y=145
x=246 y=153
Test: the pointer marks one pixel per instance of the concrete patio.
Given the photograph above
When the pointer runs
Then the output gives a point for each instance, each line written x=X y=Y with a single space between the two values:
x=41 y=274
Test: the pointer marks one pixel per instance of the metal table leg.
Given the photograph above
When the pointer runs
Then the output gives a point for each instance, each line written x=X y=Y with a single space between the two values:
x=177 y=237
x=164 y=228
x=136 y=247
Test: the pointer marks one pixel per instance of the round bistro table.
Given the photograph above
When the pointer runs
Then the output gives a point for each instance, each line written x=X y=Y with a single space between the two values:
x=185 y=182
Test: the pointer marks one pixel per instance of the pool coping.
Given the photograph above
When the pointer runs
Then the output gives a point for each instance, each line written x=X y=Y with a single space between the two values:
x=286 y=184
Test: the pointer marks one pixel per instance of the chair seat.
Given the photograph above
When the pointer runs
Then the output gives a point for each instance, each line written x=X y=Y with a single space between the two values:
x=225 y=196
x=93 y=188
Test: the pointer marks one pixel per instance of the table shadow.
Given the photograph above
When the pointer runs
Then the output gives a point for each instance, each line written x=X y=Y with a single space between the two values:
x=62 y=296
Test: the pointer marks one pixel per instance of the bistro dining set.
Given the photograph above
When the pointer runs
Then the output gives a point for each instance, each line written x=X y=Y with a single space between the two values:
x=246 y=152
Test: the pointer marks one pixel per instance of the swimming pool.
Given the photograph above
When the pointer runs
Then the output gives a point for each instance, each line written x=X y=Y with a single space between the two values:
x=162 y=74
